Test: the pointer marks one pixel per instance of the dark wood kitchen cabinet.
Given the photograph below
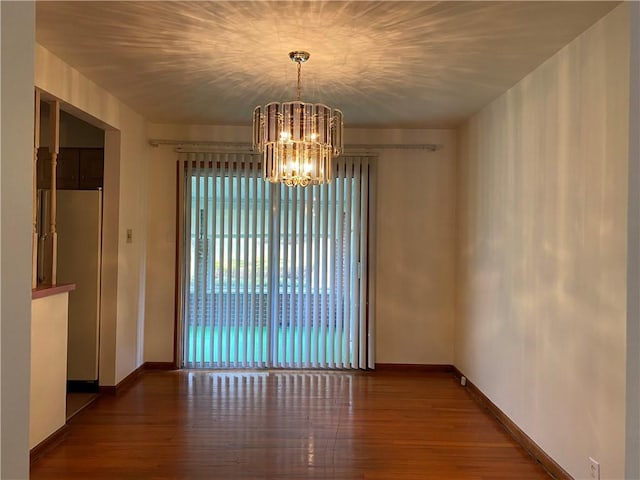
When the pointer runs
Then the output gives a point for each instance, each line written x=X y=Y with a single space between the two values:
x=78 y=168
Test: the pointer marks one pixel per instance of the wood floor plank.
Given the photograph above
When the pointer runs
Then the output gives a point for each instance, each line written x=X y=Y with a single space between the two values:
x=287 y=425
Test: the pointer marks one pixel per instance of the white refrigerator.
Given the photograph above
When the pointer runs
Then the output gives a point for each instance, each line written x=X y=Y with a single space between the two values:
x=79 y=226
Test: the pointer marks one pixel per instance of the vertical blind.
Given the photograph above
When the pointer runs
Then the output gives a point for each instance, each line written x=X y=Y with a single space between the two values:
x=273 y=276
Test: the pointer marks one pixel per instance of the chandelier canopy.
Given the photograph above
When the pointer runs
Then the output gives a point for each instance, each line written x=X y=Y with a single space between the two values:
x=297 y=140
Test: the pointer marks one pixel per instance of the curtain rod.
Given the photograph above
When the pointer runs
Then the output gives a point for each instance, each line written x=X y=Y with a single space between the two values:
x=432 y=147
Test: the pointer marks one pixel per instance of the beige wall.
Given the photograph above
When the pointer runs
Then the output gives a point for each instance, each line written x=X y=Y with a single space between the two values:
x=632 y=468
x=415 y=242
x=415 y=246
x=542 y=261
x=134 y=168
x=49 y=322
x=125 y=196
x=16 y=154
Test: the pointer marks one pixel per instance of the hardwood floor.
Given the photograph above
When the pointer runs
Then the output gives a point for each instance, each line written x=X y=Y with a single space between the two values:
x=287 y=425
x=76 y=401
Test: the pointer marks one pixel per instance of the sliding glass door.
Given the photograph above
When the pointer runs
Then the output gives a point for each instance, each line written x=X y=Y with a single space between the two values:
x=273 y=276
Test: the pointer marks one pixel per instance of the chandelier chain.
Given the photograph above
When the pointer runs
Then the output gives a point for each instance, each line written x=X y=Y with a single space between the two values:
x=299 y=82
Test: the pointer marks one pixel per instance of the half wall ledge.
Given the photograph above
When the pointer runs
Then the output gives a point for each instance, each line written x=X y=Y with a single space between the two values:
x=42 y=291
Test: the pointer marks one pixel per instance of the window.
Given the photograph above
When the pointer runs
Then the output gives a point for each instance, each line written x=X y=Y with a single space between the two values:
x=273 y=276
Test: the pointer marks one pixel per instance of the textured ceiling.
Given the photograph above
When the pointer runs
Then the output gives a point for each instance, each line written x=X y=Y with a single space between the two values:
x=401 y=64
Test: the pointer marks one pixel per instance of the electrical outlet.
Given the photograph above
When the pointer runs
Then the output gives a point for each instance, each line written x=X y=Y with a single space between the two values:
x=594 y=468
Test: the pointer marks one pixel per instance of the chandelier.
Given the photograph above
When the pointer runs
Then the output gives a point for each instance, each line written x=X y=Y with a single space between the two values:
x=296 y=139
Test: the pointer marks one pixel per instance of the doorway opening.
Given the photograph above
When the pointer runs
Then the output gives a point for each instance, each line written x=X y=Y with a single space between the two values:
x=79 y=184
